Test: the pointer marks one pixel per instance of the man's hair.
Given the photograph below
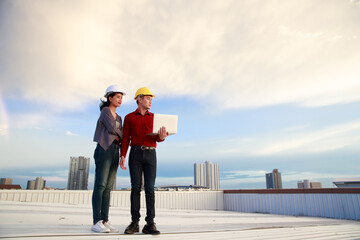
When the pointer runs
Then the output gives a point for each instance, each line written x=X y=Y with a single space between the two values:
x=137 y=98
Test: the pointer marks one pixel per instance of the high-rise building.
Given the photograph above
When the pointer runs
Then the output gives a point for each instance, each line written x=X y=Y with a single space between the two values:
x=200 y=174
x=30 y=185
x=40 y=183
x=7 y=181
x=207 y=175
x=78 y=173
x=273 y=180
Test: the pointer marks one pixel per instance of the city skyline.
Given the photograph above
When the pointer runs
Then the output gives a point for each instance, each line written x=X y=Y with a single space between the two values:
x=256 y=85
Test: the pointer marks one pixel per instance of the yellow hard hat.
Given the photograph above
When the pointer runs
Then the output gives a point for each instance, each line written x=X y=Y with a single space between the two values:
x=143 y=91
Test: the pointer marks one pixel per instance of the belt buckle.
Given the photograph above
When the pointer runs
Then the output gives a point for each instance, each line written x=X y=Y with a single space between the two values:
x=143 y=148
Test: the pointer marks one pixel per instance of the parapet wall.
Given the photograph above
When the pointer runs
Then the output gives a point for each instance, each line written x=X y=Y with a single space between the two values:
x=196 y=200
x=337 y=203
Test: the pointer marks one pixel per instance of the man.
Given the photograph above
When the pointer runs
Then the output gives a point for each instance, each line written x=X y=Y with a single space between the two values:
x=142 y=159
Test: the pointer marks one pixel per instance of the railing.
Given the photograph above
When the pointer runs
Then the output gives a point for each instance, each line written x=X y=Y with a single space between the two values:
x=196 y=200
x=340 y=203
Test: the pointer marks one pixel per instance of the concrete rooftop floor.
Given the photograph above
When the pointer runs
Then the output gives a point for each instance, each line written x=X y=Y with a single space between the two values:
x=29 y=220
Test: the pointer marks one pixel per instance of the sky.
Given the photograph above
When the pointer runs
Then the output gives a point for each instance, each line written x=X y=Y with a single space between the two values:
x=257 y=85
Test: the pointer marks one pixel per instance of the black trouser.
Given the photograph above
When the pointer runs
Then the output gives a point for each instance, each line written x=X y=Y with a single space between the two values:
x=142 y=161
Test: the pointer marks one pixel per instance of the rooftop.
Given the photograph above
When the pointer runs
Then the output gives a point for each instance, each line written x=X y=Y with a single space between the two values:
x=353 y=179
x=55 y=221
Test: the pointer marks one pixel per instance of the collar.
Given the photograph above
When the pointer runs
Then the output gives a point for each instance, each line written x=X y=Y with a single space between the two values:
x=137 y=112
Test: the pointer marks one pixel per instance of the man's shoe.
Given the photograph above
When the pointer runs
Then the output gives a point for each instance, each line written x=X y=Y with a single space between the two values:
x=99 y=227
x=132 y=228
x=150 y=229
x=111 y=227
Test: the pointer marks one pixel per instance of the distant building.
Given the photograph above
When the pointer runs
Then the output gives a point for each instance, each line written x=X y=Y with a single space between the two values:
x=307 y=184
x=315 y=185
x=207 y=175
x=38 y=184
x=78 y=173
x=6 y=181
x=30 y=185
x=347 y=182
x=10 y=186
x=273 y=180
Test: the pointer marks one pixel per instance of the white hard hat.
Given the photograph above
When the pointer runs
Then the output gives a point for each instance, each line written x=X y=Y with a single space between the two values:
x=113 y=89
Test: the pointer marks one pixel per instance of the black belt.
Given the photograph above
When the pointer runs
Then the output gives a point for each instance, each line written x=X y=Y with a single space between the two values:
x=116 y=143
x=143 y=148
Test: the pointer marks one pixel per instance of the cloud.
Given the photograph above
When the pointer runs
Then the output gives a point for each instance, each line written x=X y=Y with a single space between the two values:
x=290 y=141
x=37 y=120
x=4 y=126
x=331 y=138
x=4 y=130
x=296 y=140
x=68 y=133
x=312 y=176
x=247 y=54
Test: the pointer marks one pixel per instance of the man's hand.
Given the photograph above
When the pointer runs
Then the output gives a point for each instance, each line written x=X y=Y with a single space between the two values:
x=122 y=163
x=163 y=133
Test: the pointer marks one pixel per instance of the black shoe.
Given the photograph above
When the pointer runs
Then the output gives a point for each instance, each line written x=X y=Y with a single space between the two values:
x=132 y=228
x=150 y=229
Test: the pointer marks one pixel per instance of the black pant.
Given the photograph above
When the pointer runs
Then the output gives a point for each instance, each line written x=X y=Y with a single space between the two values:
x=142 y=161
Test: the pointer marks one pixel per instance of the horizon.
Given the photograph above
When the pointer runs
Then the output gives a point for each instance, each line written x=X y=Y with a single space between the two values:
x=63 y=186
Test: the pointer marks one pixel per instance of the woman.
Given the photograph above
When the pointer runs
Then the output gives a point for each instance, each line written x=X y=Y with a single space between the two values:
x=108 y=135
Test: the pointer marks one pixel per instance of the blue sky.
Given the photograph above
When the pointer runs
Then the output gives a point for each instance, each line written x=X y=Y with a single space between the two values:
x=256 y=85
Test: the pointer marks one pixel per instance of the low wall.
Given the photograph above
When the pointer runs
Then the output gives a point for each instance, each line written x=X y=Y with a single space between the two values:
x=330 y=203
x=195 y=200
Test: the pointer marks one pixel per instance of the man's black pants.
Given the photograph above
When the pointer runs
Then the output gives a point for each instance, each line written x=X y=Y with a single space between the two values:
x=142 y=161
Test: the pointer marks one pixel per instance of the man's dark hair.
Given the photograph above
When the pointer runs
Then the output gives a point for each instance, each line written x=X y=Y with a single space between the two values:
x=137 y=99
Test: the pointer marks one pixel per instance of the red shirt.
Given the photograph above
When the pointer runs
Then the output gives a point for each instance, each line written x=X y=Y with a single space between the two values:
x=135 y=130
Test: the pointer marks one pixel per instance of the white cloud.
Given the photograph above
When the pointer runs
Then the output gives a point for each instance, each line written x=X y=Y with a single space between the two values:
x=286 y=31
x=36 y=120
x=332 y=138
x=312 y=176
x=290 y=141
x=65 y=53
x=4 y=130
x=69 y=133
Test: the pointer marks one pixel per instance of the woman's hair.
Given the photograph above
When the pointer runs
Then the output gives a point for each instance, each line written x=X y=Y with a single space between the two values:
x=107 y=103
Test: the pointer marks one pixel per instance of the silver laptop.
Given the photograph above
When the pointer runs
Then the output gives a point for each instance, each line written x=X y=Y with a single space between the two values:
x=168 y=121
